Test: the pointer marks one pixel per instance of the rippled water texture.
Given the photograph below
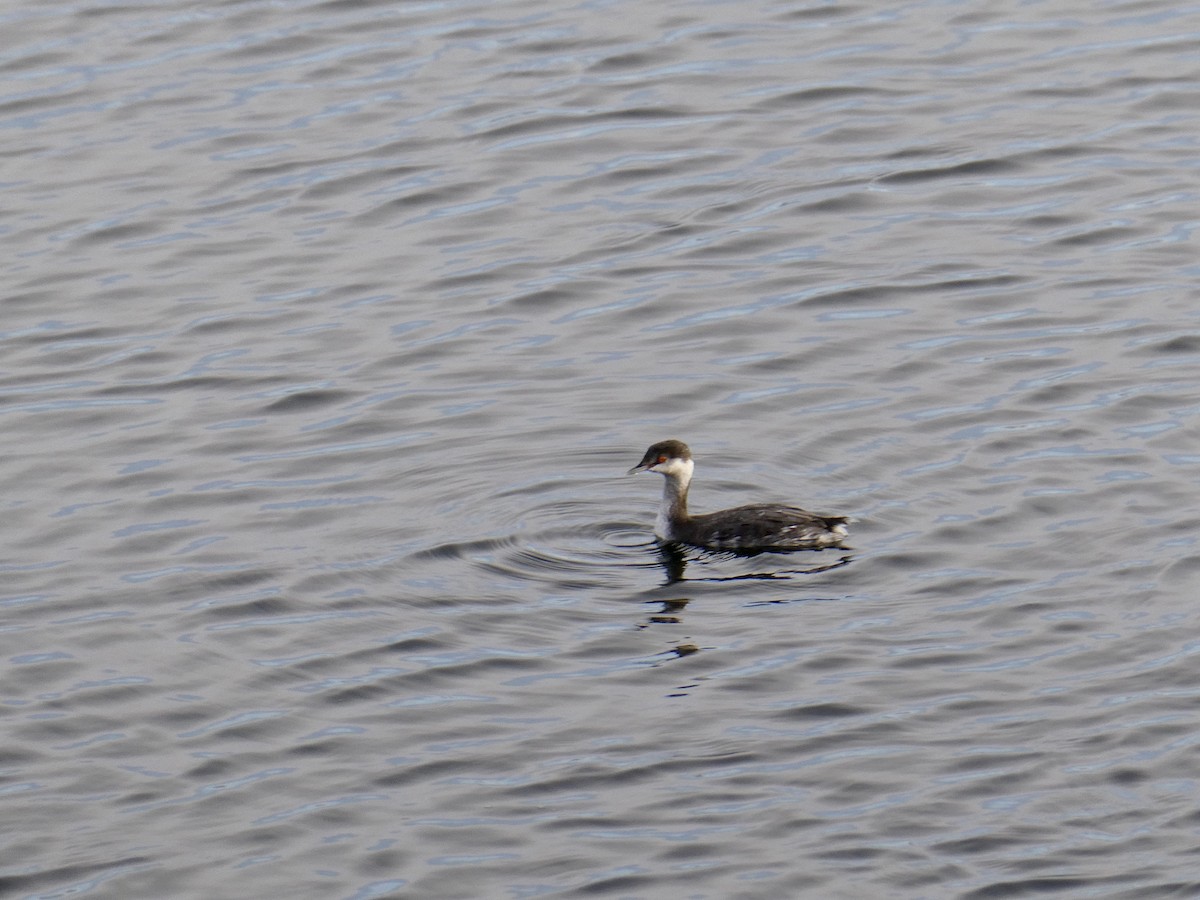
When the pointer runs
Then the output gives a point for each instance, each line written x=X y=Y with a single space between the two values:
x=330 y=328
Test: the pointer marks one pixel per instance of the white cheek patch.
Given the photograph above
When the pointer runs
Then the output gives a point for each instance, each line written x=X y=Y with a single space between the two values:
x=680 y=467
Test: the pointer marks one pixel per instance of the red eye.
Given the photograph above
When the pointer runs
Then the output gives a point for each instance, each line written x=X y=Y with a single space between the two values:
x=662 y=459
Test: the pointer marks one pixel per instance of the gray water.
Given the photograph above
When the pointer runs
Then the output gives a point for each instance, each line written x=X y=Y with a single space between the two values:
x=329 y=330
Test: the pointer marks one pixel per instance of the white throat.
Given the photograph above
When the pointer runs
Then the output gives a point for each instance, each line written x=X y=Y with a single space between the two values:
x=678 y=474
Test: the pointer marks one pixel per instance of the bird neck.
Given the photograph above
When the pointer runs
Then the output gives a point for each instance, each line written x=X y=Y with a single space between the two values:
x=673 y=510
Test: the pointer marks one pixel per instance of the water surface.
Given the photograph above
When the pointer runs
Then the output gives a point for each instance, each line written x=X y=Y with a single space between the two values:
x=329 y=330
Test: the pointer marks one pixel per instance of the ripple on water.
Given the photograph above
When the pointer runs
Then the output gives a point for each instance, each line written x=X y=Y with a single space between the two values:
x=329 y=329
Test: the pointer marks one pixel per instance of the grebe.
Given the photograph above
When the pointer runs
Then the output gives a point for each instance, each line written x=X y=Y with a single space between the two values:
x=744 y=529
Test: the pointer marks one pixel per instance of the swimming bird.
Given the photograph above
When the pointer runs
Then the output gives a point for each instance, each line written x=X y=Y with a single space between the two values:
x=743 y=529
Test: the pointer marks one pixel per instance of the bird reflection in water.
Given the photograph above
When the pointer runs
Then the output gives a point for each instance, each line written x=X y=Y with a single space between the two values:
x=674 y=558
